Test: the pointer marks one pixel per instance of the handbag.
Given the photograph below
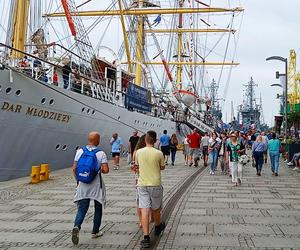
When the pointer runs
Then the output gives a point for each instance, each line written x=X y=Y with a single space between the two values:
x=281 y=149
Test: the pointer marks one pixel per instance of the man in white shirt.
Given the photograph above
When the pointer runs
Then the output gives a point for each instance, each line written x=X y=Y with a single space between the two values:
x=204 y=147
x=95 y=190
x=265 y=140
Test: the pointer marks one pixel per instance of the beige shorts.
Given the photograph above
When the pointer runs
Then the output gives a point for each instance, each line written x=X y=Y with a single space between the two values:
x=150 y=197
x=195 y=152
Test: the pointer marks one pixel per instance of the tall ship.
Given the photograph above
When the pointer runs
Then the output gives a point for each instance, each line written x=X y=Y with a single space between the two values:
x=70 y=67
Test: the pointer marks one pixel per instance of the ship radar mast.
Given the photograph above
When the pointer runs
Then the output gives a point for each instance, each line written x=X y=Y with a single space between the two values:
x=250 y=111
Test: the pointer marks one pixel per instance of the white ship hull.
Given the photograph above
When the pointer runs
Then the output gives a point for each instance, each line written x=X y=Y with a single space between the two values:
x=33 y=132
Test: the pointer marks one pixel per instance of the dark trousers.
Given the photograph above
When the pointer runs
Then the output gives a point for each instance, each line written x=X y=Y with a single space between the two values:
x=173 y=155
x=82 y=208
x=259 y=160
x=66 y=81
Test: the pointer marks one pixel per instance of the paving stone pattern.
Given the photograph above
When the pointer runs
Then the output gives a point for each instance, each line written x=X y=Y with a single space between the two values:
x=263 y=213
x=41 y=216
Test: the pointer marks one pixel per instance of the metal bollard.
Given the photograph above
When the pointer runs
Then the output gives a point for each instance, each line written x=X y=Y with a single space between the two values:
x=35 y=174
x=44 y=174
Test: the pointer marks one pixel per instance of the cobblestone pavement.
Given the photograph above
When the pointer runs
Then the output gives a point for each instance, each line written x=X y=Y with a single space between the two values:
x=41 y=216
x=263 y=213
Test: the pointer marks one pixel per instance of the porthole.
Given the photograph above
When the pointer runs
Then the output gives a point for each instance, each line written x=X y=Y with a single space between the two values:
x=0 y=87
x=135 y=121
x=93 y=112
x=119 y=117
x=8 y=91
x=57 y=147
x=43 y=101
x=18 y=92
x=64 y=147
x=51 y=102
x=88 y=111
x=82 y=109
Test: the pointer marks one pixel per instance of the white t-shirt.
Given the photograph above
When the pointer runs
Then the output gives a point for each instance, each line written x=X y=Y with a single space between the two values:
x=101 y=156
x=186 y=141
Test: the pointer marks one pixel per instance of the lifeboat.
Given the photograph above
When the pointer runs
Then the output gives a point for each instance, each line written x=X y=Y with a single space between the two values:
x=187 y=97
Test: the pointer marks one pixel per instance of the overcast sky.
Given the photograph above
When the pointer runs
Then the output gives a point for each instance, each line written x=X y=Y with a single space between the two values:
x=269 y=28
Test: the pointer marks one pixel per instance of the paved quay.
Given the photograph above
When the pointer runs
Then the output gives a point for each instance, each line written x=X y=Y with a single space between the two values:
x=263 y=213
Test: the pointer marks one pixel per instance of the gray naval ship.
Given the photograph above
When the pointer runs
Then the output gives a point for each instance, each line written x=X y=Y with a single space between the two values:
x=51 y=95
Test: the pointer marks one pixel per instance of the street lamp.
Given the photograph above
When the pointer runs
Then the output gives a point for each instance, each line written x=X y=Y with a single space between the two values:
x=285 y=60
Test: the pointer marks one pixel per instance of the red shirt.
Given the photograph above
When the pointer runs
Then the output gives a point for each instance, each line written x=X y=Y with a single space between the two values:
x=194 y=140
x=55 y=77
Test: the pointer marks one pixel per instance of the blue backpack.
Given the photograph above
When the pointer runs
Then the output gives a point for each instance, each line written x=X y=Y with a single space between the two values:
x=87 y=166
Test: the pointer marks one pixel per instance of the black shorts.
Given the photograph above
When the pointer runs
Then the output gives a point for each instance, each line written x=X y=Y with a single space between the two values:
x=165 y=150
x=113 y=154
x=205 y=150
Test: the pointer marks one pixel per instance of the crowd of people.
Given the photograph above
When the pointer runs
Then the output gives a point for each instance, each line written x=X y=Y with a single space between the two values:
x=226 y=150
x=149 y=155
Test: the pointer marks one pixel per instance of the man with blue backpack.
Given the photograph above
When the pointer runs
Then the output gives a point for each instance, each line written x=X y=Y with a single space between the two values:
x=88 y=165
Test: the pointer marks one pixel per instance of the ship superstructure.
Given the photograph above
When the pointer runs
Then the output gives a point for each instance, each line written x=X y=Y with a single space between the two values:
x=55 y=89
x=249 y=111
x=213 y=108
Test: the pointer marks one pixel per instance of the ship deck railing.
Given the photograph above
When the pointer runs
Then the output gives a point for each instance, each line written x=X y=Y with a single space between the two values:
x=44 y=71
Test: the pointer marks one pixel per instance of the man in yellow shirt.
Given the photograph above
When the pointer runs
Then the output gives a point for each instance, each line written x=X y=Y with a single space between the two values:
x=150 y=162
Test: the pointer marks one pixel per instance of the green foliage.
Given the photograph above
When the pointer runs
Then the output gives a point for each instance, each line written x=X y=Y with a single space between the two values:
x=293 y=117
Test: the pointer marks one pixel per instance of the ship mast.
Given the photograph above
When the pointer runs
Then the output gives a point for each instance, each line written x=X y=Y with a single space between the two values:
x=125 y=37
x=140 y=38
x=19 y=26
x=179 y=48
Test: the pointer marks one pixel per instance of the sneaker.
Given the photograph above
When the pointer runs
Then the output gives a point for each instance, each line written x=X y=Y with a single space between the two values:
x=290 y=164
x=185 y=164
x=210 y=172
x=97 y=235
x=172 y=164
x=191 y=164
x=145 y=243
x=239 y=181
x=276 y=174
x=115 y=168
x=75 y=235
x=158 y=229
x=295 y=168
x=213 y=173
